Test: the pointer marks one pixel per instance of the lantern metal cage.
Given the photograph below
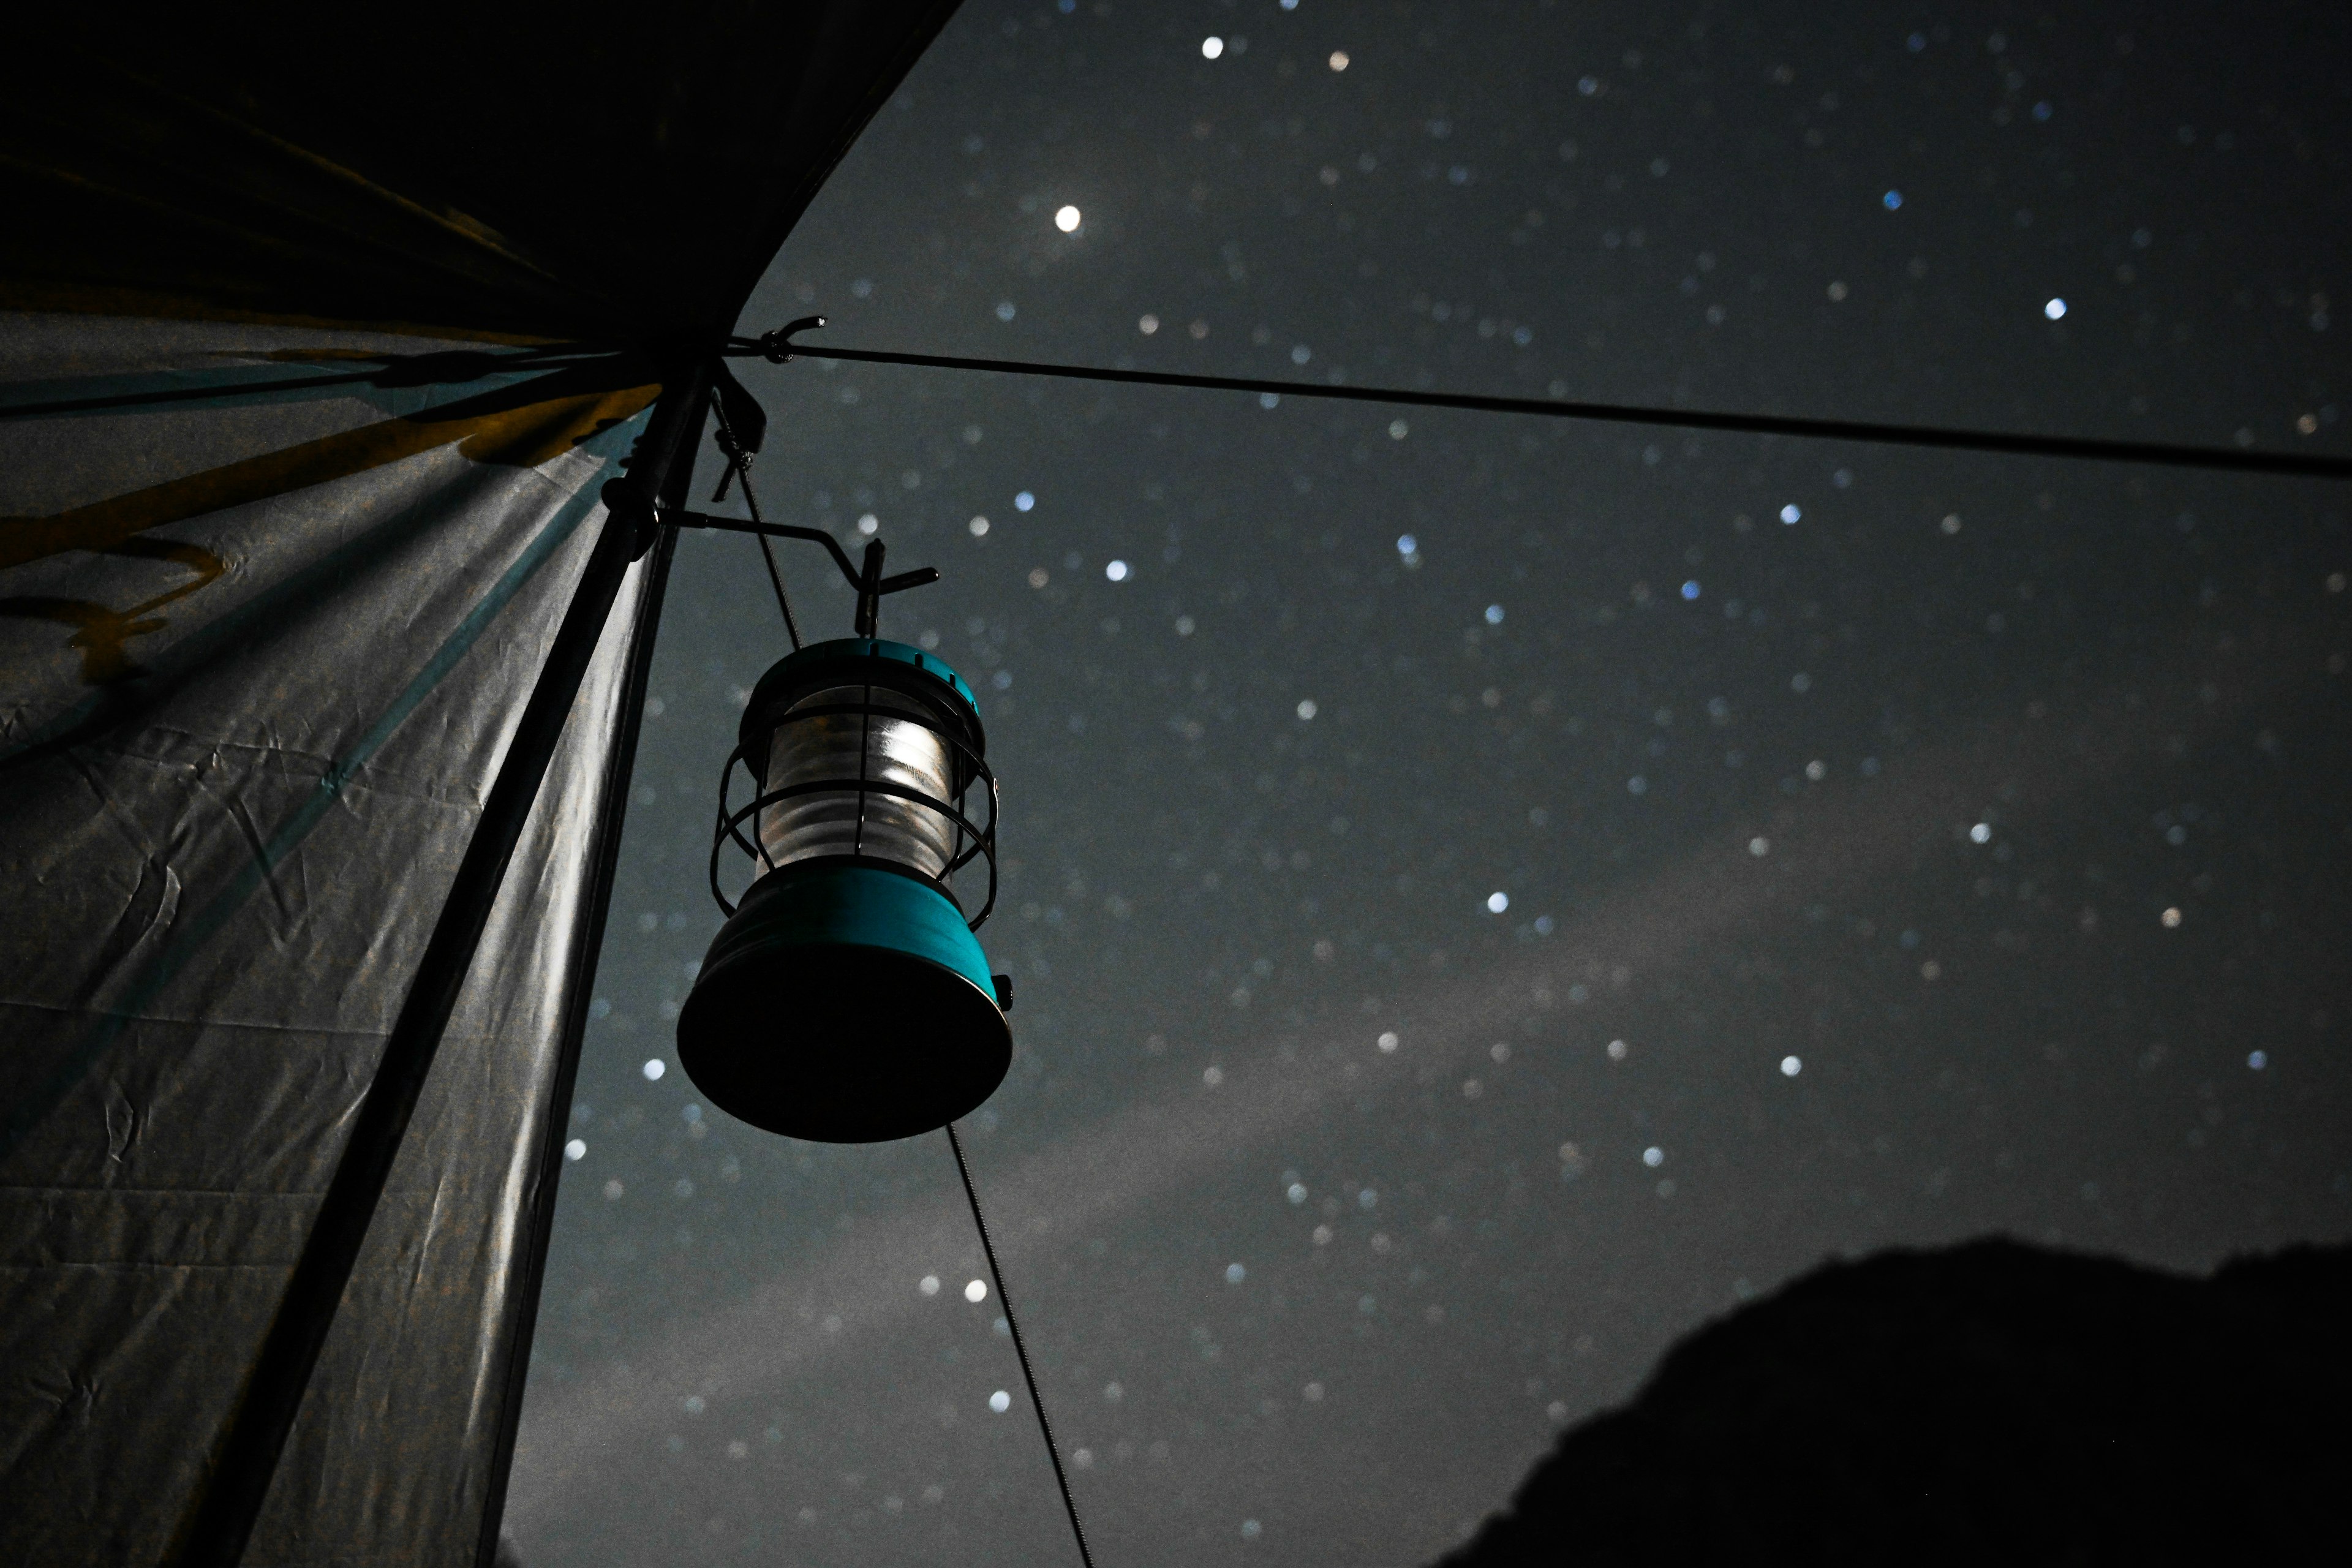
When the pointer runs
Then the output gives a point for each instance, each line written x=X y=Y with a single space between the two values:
x=860 y=696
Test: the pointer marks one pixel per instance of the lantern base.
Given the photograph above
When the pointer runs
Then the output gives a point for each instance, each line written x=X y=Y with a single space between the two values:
x=845 y=1004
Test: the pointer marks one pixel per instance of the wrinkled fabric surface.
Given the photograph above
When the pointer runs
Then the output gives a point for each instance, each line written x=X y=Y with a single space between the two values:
x=271 y=600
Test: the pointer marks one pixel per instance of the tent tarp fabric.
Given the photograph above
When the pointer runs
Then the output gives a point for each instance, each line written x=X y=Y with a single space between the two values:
x=266 y=624
x=599 y=170
x=290 y=509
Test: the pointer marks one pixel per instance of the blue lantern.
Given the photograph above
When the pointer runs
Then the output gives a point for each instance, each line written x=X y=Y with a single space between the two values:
x=845 y=999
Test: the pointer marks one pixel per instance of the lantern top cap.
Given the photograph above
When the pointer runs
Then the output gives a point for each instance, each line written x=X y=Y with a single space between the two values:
x=819 y=663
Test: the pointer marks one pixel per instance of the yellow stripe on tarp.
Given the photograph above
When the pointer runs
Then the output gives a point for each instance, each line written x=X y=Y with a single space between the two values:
x=523 y=435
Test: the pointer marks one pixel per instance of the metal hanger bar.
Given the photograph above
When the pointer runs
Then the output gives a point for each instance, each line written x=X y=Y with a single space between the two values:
x=898 y=581
x=679 y=517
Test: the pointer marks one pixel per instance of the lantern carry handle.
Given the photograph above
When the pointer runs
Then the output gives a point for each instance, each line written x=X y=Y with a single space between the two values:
x=866 y=579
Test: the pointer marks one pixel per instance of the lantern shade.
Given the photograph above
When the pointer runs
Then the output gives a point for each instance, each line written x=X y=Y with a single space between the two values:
x=846 y=1003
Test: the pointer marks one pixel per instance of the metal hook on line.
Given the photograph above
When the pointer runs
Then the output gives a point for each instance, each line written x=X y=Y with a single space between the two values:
x=777 y=347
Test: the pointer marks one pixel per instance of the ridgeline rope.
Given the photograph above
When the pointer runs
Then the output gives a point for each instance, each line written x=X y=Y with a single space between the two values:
x=778 y=348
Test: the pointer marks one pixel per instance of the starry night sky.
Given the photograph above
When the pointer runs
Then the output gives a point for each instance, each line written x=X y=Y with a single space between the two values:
x=1489 y=894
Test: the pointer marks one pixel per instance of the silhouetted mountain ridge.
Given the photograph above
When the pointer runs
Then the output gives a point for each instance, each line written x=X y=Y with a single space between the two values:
x=1992 y=1402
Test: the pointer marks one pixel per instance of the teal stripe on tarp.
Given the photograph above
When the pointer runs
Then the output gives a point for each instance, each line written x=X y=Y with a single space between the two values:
x=167 y=965
x=398 y=384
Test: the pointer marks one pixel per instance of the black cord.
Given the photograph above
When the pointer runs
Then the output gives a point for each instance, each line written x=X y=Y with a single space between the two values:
x=778 y=348
x=1037 y=1400
x=768 y=551
x=740 y=465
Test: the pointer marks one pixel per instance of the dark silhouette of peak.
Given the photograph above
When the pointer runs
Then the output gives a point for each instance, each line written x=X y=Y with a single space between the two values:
x=1990 y=1403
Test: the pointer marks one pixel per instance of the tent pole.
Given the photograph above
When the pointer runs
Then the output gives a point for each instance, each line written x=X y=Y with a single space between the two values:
x=528 y=1271
x=248 y=1457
